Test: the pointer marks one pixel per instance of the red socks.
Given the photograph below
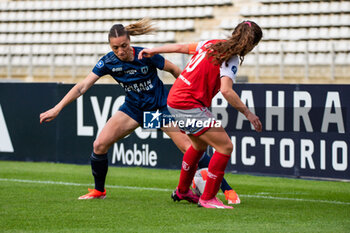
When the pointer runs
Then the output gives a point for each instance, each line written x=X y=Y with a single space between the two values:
x=216 y=171
x=188 y=169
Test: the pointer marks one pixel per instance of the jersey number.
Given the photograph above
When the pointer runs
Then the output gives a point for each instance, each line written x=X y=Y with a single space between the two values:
x=195 y=61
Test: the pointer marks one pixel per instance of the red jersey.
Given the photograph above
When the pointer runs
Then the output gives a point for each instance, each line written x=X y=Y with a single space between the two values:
x=199 y=82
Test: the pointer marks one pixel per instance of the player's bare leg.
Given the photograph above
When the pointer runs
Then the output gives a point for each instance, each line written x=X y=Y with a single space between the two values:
x=215 y=137
x=116 y=128
x=181 y=140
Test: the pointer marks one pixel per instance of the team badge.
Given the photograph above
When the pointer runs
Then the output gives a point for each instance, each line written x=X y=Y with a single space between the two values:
x=144 y=69
x=185 y=166
x=234 y=69
x=100 y=64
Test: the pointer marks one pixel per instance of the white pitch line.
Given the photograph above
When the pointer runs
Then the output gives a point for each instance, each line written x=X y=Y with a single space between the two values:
x=295 y=199
x=77 y=184
x=169 y=190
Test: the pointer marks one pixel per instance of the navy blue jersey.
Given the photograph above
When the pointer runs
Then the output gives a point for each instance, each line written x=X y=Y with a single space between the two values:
x=139 y=78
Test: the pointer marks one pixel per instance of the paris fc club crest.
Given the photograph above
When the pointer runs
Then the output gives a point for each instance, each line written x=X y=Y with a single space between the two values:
x=144 y=69
x=100 y=64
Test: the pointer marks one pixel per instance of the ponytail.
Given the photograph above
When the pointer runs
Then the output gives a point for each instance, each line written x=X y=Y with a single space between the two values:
x=141 y=27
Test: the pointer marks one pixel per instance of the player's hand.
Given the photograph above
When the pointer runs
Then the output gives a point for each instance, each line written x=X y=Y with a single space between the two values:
x=146 y=53
x=49 y=115
x=255 y=121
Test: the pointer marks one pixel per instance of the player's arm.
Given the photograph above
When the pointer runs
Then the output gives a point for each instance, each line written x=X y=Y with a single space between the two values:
x=169 y=48
x=233 y=99
x=172 y=68
x=74 y=93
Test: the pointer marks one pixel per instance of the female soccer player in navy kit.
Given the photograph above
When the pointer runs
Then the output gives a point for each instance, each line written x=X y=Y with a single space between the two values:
x=144 y=92
x=213 y=67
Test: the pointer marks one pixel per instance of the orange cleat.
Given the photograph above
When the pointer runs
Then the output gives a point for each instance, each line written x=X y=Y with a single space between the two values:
x=93 y=194
x=232 y=197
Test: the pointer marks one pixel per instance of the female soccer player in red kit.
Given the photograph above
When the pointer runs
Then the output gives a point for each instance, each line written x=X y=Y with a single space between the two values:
x=213 y=67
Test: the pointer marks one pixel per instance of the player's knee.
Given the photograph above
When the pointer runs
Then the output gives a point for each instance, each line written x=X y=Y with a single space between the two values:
x=100 y=147
x=183 y=149
x=227 y=148
x=200 y=147
x=184 y=144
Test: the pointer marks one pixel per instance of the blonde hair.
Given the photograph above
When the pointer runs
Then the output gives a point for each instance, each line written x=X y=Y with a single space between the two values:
x=141 y=27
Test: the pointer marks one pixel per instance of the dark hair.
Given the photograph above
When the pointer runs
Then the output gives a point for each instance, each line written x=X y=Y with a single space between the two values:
x=244 y=37
x=141 y=27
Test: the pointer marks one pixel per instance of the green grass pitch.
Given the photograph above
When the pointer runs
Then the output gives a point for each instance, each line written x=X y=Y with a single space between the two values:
x=42 y=197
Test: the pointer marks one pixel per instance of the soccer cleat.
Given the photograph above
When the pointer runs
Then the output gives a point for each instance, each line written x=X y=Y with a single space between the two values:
x=232 y=197
x=189 y=196
x=93 y=194
x=213 y=203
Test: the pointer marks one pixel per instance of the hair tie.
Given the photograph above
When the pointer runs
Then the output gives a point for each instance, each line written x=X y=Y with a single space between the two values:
x=249 y=23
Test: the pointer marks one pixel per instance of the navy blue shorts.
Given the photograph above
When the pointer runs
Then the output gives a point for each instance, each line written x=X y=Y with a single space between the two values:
x=138 y=114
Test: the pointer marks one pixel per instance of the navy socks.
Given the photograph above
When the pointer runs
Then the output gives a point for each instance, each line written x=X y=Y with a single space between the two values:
x=204 y=163
x=99 y=167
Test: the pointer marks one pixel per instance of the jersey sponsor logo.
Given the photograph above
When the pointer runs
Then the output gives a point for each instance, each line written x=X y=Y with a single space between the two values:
x=5 y=140
x=234 y=69
x=117 y=69
x=100 y=64
x=144 y=69
x=131 y=71
x=137 y=87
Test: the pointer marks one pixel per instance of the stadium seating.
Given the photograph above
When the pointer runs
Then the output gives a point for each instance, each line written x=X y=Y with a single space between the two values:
x=302 y=31
x=52 y=33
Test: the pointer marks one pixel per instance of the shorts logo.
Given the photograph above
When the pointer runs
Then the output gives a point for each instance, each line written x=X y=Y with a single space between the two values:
x=151 y=120
x=100 y=64
x=144 y=69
